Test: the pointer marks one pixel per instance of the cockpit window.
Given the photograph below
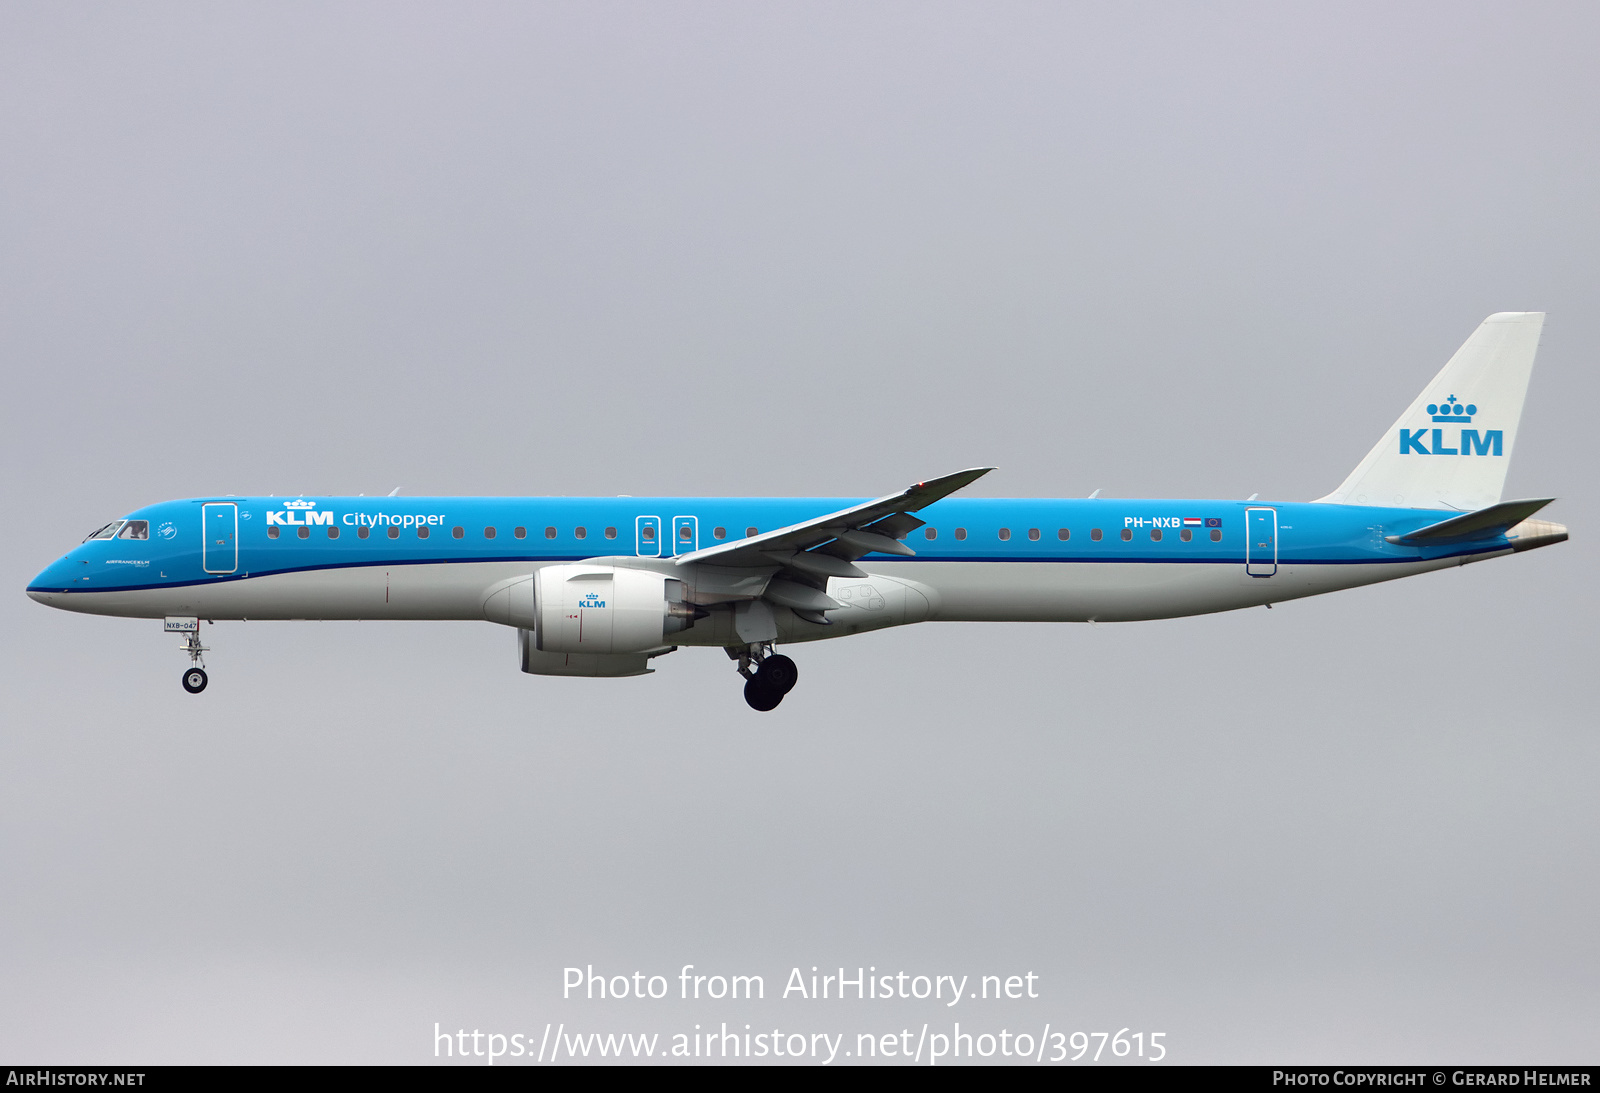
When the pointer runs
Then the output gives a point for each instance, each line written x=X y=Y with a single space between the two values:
x=135 y=529
x=104 y=533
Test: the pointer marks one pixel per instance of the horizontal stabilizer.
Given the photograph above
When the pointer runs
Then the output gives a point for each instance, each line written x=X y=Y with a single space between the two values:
x=1483 y=524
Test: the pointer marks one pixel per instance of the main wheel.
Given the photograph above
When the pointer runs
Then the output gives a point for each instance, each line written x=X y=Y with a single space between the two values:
x=780 y=672
x=194 y=680
x=761 y=696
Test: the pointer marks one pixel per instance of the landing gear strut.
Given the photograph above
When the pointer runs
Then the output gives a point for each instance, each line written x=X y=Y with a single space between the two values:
x=194 y=679
x=768 y=675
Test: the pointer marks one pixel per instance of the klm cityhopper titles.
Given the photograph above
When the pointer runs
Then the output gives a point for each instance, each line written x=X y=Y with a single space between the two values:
x=600 y=586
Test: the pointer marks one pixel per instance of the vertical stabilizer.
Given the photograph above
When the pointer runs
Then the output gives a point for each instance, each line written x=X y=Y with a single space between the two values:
x=1452 y=446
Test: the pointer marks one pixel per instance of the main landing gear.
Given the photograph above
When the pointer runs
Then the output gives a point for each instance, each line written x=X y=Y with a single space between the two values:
x=194 y=680
x=768 y=675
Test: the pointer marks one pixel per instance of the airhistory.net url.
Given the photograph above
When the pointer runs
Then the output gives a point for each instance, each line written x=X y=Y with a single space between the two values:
x=909 y=1046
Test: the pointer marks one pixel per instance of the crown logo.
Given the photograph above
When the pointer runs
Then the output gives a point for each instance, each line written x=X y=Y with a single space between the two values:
x=1451 y=410
x=313 y=504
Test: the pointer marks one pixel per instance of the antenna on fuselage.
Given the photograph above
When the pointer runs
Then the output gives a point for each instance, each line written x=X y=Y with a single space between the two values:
x=394 y=492
x=1093 y=495
x=1252 y=497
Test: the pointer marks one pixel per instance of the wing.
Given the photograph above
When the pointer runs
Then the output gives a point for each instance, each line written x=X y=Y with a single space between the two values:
x=814 y=550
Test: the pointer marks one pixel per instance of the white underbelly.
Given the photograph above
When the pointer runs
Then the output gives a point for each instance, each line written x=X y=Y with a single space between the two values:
x=1124 y=591
x=453 y=590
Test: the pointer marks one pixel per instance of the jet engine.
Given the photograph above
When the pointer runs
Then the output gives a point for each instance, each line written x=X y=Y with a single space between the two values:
x=604 y=609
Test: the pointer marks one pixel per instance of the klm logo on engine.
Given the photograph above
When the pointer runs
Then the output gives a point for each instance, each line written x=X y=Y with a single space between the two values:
x=299 y=513
x=591 y=600
x=1467 y=441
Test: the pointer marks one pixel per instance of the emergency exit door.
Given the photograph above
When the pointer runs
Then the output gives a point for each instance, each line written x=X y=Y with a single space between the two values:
x=1261 y=542
x=685 y=534
x=647 y=536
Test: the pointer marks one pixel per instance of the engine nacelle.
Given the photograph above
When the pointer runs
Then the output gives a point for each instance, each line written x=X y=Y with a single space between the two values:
x=605 y=609
x=537 y=663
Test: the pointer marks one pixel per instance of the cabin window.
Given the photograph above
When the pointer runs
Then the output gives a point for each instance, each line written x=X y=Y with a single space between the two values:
x=520 y=533
x=361 y=532
x=1186 y=535
x=749 y=533
x=488 y=533
x=1127 y=534
x=930 y=533
x=719 y=533
x=1095 y=533
x=458 y=532
x=272 y=532
x=422 y=531
x=961 y=533
x=303 y=532
x=1216 y=535
x=1005 y=534
x=1033 y=534
x=648 y=532
x=686 y=533
x=1063 y=534
x=135 y=529
x=611 y=533
x=104 y=533
x=549 y=533
x=333 y=532
x=581 y=533
x=1155 y=535
x=394 y=532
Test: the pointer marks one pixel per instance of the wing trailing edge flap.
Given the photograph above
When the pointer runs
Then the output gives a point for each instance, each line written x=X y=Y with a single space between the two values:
x=803 y=556
x=1483 y=524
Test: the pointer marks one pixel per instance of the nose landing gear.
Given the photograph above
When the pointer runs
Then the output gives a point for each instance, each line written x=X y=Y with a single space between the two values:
x=194 y=679
x=768 y=675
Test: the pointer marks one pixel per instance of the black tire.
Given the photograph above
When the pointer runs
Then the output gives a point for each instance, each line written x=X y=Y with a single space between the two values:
x=760 y=696
x=194 y=680
x=780 y=672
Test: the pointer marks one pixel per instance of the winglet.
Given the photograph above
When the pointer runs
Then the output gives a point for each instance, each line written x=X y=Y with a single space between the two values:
x=926 y=493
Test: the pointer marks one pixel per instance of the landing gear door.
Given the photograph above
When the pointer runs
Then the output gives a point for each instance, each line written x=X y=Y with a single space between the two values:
x=647 y=536
x=1261 y=542
x=685 y=534
x=219 y=522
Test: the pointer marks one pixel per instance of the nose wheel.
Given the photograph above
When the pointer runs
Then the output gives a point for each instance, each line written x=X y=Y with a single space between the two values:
x=194 y=679
x=768 y=676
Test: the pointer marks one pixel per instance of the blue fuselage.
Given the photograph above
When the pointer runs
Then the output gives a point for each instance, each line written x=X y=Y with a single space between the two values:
x=257 y=537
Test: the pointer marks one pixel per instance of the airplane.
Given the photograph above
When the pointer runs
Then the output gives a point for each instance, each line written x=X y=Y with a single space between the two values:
x=601 y=586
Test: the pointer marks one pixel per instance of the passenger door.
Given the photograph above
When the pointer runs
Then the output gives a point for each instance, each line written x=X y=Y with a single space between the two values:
x=219 y=550
x=1261 y=542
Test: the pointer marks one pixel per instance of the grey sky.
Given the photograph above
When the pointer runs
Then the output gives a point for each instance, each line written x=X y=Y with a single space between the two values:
x=818 y=249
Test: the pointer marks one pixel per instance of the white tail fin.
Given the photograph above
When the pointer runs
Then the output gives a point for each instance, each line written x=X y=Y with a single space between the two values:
x=1452 y=446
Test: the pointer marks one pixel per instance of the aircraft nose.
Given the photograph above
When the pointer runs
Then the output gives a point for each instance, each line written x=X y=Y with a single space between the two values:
x=52 y=581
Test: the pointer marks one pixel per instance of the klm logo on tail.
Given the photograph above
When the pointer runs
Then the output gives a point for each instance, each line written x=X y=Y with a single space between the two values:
x=1472 y=442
